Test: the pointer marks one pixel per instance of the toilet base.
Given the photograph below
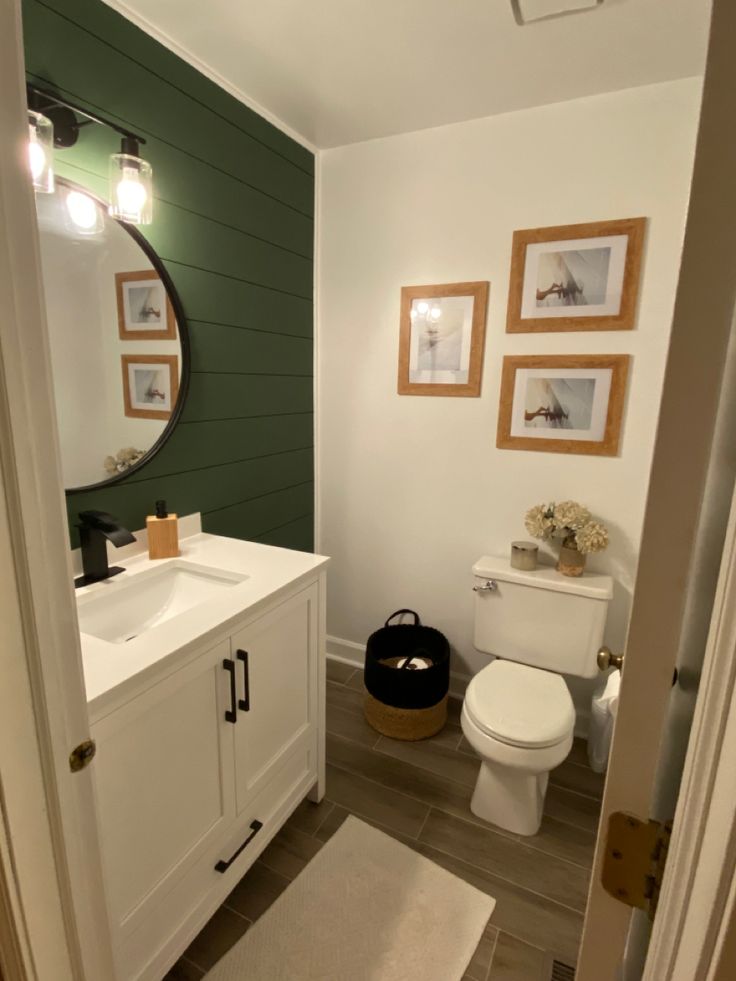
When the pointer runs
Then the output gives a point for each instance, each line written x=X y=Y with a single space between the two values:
x=512 y=800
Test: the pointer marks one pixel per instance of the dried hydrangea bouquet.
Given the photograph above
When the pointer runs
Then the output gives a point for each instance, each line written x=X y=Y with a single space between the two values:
x=572 y=523
x=123 y=460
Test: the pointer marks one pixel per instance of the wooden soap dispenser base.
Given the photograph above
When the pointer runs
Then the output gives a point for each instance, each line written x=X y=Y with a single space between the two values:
x=163 y=533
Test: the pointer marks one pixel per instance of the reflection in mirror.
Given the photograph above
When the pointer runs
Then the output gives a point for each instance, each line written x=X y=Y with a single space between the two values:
x=116 y=348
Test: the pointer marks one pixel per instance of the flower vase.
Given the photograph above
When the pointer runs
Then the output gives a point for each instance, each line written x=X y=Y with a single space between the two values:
x=571 y=562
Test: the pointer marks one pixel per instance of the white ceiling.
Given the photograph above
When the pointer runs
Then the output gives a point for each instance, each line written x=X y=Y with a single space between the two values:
x=339 y=71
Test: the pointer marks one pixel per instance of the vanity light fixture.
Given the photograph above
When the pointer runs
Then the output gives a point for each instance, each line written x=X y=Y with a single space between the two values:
x=55 y=123
x=41 y=151
x=131 y=184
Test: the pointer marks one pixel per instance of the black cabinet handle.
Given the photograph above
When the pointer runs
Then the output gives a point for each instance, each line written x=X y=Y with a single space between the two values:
x=255 y=827
x=231 y=714
x=244 y=703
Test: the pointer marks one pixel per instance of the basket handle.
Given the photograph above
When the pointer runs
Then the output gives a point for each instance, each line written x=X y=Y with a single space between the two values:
x=417 y=621
x=417 y=653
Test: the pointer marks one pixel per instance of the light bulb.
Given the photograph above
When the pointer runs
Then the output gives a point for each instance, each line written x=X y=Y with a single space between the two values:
x=131 y=194
x=36 y=156
x=82 y=211
x=435 y=313
x=40 y=151
x=131 y=188
x=423 y=307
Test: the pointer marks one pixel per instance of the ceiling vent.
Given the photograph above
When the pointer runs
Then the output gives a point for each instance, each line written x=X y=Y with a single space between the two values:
x=528 y=11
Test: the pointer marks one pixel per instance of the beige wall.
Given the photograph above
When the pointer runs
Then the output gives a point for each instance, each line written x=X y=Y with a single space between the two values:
x=412 y=490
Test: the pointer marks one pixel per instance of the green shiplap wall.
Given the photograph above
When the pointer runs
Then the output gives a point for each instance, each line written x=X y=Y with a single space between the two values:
x=233 y=224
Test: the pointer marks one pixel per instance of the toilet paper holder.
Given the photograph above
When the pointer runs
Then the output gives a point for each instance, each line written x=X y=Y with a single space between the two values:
x=607 y=659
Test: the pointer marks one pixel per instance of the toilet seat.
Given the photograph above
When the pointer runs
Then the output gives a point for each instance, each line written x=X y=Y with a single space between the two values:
x=520 y=706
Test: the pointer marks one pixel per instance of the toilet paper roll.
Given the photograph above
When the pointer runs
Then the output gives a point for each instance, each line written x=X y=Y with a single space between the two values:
x=416 y=663
x=602 y=717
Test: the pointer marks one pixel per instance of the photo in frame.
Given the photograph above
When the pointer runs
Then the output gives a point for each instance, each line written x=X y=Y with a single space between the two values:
x=150 y=385
x=563 y=403
x=575 y=277
x=442 y=332
x=145 y=312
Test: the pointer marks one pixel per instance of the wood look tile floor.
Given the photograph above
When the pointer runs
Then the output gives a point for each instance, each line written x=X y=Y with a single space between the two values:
x=420 y=794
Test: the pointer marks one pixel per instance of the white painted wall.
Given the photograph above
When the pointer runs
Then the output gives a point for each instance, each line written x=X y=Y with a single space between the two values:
x=412 y=489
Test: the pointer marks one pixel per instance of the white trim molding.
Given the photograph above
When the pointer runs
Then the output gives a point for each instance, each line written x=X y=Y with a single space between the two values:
x=698 y=883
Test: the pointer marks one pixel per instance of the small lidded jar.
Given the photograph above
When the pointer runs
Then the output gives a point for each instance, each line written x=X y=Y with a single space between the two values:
x=524 y=556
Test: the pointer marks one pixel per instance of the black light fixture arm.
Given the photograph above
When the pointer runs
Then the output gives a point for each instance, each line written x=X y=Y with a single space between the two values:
x=66 y=124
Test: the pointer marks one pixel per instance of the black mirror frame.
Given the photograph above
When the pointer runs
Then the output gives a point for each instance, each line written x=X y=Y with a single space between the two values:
x=183 y=333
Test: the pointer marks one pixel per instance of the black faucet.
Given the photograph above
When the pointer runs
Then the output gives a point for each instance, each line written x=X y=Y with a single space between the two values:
x=95 y=529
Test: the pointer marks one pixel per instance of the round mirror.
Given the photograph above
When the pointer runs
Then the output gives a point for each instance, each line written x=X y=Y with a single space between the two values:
x=119 y=350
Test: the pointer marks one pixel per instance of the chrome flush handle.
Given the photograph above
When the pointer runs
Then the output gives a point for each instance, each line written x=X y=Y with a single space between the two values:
x=488 y=586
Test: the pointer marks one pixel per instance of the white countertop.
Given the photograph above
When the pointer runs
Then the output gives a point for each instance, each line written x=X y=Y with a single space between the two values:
x=114 y=671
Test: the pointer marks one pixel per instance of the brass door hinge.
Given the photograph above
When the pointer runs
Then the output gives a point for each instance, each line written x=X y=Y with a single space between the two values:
x=82 y=755
x=634 y=860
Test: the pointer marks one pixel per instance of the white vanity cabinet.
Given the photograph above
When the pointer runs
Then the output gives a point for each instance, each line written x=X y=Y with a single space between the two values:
x=196 y=773
x=279 y=694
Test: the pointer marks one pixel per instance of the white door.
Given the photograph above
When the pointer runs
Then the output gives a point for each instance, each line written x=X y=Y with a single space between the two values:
x=48 y=818
x=687 y=511
x=165 y=786
x=276 y=661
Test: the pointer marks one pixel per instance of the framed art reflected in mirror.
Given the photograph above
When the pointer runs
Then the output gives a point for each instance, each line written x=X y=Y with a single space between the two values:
x=150 y=385
x=145 y=312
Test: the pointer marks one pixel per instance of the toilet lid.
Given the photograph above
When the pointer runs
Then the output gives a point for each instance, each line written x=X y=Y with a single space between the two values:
x=520 y=705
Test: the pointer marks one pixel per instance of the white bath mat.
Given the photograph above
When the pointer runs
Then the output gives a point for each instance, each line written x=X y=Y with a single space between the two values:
x=366 y=908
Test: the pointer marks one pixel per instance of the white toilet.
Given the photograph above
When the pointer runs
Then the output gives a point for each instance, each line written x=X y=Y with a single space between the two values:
x=518 y=714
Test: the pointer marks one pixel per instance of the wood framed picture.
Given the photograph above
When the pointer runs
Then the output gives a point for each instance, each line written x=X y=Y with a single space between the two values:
x=441 y=339
x=563 y=403
x=145 y=312
x=575 y=277
x=150 y=385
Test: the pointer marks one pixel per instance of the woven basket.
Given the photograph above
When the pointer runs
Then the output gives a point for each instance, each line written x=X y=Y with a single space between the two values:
x=408 y=724
x=401 y=703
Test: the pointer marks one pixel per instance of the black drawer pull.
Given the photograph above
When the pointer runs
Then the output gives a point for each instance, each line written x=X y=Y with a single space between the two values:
x=244 y=703
x=231 y=714
x=255 y=827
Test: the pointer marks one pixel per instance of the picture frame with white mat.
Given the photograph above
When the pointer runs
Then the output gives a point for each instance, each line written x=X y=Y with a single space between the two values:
x=563 y=403
x=582 y=277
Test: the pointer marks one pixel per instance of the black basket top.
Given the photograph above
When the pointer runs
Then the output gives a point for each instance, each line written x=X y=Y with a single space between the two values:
x=393 y=685
x=400 y=640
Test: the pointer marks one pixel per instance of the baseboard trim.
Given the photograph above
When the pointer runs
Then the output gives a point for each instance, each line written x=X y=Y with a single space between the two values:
x=348 y=652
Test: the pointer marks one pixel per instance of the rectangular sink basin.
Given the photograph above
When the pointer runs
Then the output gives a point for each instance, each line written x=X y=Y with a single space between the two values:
x=123 y=609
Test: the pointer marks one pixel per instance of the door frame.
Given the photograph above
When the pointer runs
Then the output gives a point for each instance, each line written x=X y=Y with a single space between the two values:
x=52 y=854
x=698 y=890
x=689 y=471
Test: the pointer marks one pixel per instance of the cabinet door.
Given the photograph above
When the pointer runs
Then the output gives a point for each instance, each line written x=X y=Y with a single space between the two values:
x=277 y=659
x=164 y=785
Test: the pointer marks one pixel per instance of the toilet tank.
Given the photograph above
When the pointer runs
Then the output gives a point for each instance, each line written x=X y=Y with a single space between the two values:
x=541 y=618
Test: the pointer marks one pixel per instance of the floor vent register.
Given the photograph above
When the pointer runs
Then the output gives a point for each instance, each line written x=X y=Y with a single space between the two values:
x=561 y=972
